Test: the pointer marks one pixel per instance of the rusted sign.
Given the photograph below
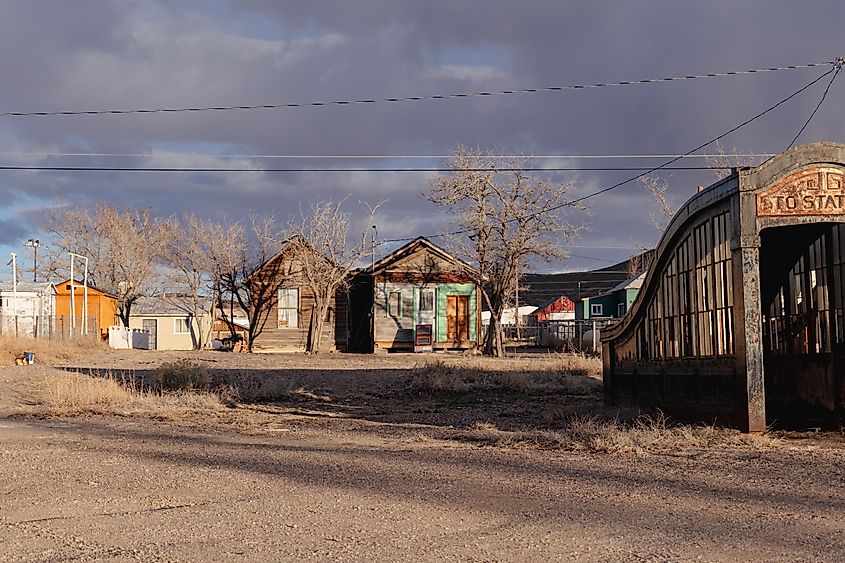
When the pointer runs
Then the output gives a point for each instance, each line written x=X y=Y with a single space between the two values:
x=816 y=191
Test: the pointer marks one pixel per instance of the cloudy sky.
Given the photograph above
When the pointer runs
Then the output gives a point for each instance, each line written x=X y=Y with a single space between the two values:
x=122 y=54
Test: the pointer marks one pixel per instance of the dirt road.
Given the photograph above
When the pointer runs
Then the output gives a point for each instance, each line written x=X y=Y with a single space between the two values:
x=352 y=489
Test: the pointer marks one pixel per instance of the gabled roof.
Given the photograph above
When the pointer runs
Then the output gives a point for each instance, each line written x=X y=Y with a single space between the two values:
x=284 y=246
x=552 y=300
x=412 y=247
x=27 y=287
x=161 y=306
x=631 y=283
x=282 y=249
x=78 y=283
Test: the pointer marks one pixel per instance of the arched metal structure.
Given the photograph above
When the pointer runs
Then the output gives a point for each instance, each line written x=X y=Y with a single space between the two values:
x=743 y=311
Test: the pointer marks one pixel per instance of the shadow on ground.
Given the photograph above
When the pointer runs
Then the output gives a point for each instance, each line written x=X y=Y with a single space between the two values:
x=512 y=400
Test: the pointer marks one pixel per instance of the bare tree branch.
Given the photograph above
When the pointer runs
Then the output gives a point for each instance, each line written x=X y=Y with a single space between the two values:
x=510 y=219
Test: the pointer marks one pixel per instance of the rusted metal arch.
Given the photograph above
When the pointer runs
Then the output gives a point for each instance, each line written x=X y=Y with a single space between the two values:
x=744 y=193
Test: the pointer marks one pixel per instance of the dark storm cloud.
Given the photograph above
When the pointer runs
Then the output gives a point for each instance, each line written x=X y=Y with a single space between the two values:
x=103 y=54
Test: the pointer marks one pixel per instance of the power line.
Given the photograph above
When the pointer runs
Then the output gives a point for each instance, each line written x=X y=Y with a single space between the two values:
x=665 y=166
x=367 y=170
x=411 y=98
x=838 y=68
x=373 y=156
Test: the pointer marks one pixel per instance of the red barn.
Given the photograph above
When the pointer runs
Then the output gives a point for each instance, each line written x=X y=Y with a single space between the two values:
x=558 y=309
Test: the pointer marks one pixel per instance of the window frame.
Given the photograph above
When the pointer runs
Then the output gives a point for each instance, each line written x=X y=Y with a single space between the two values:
x=287 y=307
x=596 y=310
x=186 y=320
x=388 y=309
x=429 y=292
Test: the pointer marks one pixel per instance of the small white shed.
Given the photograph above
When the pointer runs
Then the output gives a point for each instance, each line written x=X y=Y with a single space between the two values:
x=27 y=309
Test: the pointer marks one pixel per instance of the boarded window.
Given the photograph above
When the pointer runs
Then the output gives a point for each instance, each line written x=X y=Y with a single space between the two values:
x=289 y=307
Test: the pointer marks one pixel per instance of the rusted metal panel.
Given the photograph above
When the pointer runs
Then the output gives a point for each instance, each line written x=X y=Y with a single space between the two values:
x=815 y=191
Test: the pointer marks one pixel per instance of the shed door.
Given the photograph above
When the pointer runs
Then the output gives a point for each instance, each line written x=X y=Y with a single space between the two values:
x=151 y=326
x=457 y=317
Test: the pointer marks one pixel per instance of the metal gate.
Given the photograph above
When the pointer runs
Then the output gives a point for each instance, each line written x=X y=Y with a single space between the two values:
x=151 y=326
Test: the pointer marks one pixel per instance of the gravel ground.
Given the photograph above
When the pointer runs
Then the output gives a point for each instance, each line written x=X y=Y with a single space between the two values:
x=353 y=484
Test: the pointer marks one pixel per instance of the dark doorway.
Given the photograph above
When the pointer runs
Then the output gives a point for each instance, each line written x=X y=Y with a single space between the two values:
x=801 y=278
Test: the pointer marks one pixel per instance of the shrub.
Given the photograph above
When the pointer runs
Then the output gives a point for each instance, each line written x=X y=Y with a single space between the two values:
x=181 y=375
x=553 y=374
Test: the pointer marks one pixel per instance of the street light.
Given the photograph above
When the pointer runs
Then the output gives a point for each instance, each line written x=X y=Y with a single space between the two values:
x=34 y=244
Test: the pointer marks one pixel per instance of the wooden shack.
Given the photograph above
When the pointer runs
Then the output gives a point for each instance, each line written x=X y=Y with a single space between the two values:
x=285 y=319
x=420 y=286
x=102 y=307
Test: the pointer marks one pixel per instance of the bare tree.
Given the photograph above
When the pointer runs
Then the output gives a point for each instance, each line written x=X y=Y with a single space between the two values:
x=239 y=255
x=122 y=247
x=319 y=240
x=725 y=159
x=658 y=187
x=226 y=251
x=187 y=255
x=507 y=219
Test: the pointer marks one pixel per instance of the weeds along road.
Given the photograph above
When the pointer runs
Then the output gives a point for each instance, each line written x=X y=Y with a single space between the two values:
x=324 y=488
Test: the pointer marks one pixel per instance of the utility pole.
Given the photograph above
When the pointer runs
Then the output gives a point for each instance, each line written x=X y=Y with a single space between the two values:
x=34 y=244
x=84 y=294
x=373 y=280
x=15 y=291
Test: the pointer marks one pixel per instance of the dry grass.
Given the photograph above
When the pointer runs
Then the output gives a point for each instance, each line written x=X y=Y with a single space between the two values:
x=48 y=352
x=644 y=435
x=75 y=394
x=567 y=373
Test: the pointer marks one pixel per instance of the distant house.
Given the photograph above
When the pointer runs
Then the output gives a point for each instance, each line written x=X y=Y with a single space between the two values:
x=419 y=286
x=28 y=309
x=612 y=304
x=221 y=329
x=560 y=308
x=102 y=307
x=285 y=325
x=543 y=288
x=510 y=315
x=170 y=325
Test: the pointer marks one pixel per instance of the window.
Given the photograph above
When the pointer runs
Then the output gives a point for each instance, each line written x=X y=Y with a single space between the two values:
x=691 y=313
x=426 y=301
x=289 y=307
x=394 y=304
x=596 y=309
x=181 y=325
x=620 y=310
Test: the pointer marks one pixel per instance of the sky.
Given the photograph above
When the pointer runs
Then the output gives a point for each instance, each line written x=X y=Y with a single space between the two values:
x=123 y=54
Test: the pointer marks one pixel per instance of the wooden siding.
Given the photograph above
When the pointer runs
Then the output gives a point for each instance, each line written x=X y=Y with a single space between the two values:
x=408 y=276
x=276 y=339
x=273 y=338
x=100 y=305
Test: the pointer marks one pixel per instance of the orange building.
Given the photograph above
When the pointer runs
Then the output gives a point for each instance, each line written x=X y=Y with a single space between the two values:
x=102 y=307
